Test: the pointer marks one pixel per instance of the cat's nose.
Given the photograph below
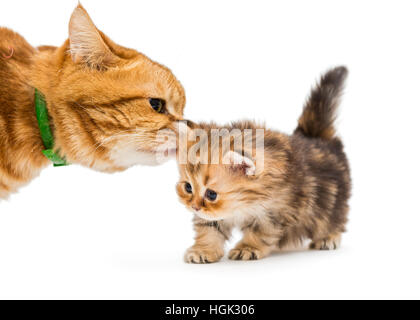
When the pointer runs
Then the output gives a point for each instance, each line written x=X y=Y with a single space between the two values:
x=196 y=208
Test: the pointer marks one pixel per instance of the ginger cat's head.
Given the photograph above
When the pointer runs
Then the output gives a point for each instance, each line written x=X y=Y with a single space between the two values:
x=107 y=103
x=225 y=183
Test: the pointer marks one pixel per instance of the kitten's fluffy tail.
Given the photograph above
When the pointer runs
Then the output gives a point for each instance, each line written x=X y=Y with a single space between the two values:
x=319 y=113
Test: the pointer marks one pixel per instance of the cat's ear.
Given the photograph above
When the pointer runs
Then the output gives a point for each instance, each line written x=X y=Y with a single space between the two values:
x=239 y=163
x=86 y=43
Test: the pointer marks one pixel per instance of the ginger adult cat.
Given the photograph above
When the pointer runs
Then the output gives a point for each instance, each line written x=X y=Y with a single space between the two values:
x=105 y=103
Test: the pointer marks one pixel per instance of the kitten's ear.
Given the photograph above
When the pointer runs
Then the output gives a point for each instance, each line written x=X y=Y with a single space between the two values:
x=86 y=43
x=239 y=163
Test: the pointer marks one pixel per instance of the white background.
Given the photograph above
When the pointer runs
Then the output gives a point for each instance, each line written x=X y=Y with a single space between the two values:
x=75 y=233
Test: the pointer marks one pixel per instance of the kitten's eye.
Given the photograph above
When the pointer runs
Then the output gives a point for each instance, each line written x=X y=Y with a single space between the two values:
x=211 y=195
x=188 y=188
x=157 y=104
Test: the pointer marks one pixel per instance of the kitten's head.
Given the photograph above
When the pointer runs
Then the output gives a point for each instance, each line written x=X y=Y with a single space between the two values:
x=108 y=103
x=227 y=185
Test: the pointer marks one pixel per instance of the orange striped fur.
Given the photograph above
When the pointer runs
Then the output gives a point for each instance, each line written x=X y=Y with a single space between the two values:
x=97 y=93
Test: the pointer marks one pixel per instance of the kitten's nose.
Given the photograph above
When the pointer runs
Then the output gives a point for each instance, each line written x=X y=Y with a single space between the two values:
x=196 y=208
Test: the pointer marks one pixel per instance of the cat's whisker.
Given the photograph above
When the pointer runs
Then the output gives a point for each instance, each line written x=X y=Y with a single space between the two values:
x=116 y=134
x=94 y=107
x=108 y=139
x=137 y=132
x=79 y=105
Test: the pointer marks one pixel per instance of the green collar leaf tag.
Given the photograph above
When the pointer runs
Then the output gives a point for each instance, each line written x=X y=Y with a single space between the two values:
x=45 y=130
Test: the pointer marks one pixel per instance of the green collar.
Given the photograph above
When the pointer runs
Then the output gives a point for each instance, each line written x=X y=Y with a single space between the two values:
x=45 y=130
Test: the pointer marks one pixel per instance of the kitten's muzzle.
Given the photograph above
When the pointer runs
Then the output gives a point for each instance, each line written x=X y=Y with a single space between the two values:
x=196 y=208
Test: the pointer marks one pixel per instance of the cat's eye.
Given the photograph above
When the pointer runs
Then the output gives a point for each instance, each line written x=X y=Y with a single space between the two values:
x=157 y=104
x=188 y=188
x=211 y=195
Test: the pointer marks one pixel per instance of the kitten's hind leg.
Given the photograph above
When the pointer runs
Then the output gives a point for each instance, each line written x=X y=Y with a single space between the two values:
x=332 y=242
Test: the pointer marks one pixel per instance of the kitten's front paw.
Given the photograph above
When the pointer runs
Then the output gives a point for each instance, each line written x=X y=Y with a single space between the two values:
x=245 y=253
x=195 y=255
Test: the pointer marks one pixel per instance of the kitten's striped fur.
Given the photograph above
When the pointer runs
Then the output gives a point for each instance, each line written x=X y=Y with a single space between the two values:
x=302 y=192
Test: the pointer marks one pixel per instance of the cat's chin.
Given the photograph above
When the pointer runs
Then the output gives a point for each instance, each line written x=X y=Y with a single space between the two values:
x=148 y=159
x=127 y=157
x=132 y=158
x=155 y=157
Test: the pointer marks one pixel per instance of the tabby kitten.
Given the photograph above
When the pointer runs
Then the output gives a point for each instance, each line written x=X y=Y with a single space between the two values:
x=105 y=102
x=300 y=191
